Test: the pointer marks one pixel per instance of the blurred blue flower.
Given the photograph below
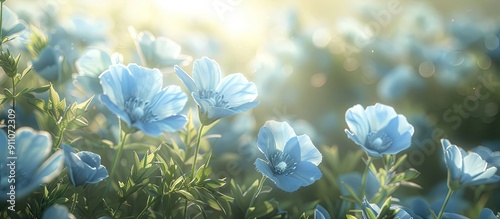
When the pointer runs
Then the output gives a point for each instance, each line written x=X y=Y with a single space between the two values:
x=32 y=165
x=57 y=211
x=487 y=213
x=11 y=25
x=216 y=97
x=90 y=65
x=398 y=82
x=48 y=64
x=466 y=169
x=292 y=161
x=491 y=157
x=135 y=95
x=420 y=209
x=378 y=129
x=373 y=208
x=84 y=167
x=85 y=29
x=321 y=213
x=158 y=52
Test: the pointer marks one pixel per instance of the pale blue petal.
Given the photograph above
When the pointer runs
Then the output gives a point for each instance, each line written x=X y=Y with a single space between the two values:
x=115 y=109
x=453 y=158
x=283 y=182
x=100 y=174
x=57 y=211
x=170 y=101
x=487 y=213
x=245 y=107
x=169 y=124
x=206 y=73
x=79 y=172
x=321 y=213
x=399 y=144
x=118 y=84
x=308 y=152
x=473 y=166
x=266 y=142
x=293 y=148
x=34 y=148
x=445 y=143
x=379 y=116
x=282 y=132
x=237 y=90
x=186 y=79
x=148 y=81
x=357 y=122
x=486 y=174
x=306 y=173
x=50 y=169
x=353 y=137
x=93 y=62
x=89 y=158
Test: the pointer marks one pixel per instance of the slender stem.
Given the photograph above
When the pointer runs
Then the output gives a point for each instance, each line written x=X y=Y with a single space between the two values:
x=197 y=151
x=185 y=208
x=147 y=207
x=1 y=21
x=60 y=137
x=448 y=196
x=363 y=178
x=118 y=155
x=73 y=205
x=259 y=188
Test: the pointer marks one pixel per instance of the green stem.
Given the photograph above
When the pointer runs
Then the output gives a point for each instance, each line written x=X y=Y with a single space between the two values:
x=1 y=21
x=14 y=94
x=259 y=188
x=448 y=196
x=60 y=137
x=363 y=178
x=197 y=151
x=123 y=139
x=147 y=207
x=185 y=209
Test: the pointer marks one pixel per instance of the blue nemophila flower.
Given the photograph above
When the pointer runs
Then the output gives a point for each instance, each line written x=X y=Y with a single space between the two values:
x=216 y=97
x=135 y=95
x=90 y=65
x=378 y=129
x=292 y=161
x=466 y=168
x=57 y=211
x=32 y=167
x=321 y=213
x=159 y=52
x=11 y=25
x=84 y=167
x=375 y=210
x=48 y=64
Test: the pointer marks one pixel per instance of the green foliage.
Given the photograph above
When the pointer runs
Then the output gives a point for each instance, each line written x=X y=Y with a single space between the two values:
x=9 y=63
x=38 y=41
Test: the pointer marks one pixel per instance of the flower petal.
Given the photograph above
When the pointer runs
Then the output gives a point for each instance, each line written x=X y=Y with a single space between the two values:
x=357 y=122
x=379 y=116
x=170 y=101
x=186 y=79
x=51 y=168
x=148 y=82
x=169 y=124
x=237 y=90
x=34 y=147
x=118 y=84
x=206 y=73
x=282 y=132
x=115 y=109
x=266 y=142
x=306 y=173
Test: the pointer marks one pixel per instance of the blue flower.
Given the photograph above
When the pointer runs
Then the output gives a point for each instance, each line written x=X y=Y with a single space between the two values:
x=90 y=65
x=32 y=165
x=159 y=52
x=420 y=209
x=135 y=95
x=466 y=169
x=57 y=211
x=399 y=82
x=84 y=167
x=487 y=213
x=48 y=64
x=378 y=129
x=491 y=157
x=11 y=25
x=375 y=210
x=292 y=161
x=321 y=213
x=216 y=97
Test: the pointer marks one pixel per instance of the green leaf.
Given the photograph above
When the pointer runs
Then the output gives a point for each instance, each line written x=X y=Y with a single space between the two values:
x=348 y=216
x=399 y=162
x=8 y=93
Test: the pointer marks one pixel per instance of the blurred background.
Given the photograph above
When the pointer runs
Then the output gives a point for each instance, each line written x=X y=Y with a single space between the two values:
x=437 y=63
